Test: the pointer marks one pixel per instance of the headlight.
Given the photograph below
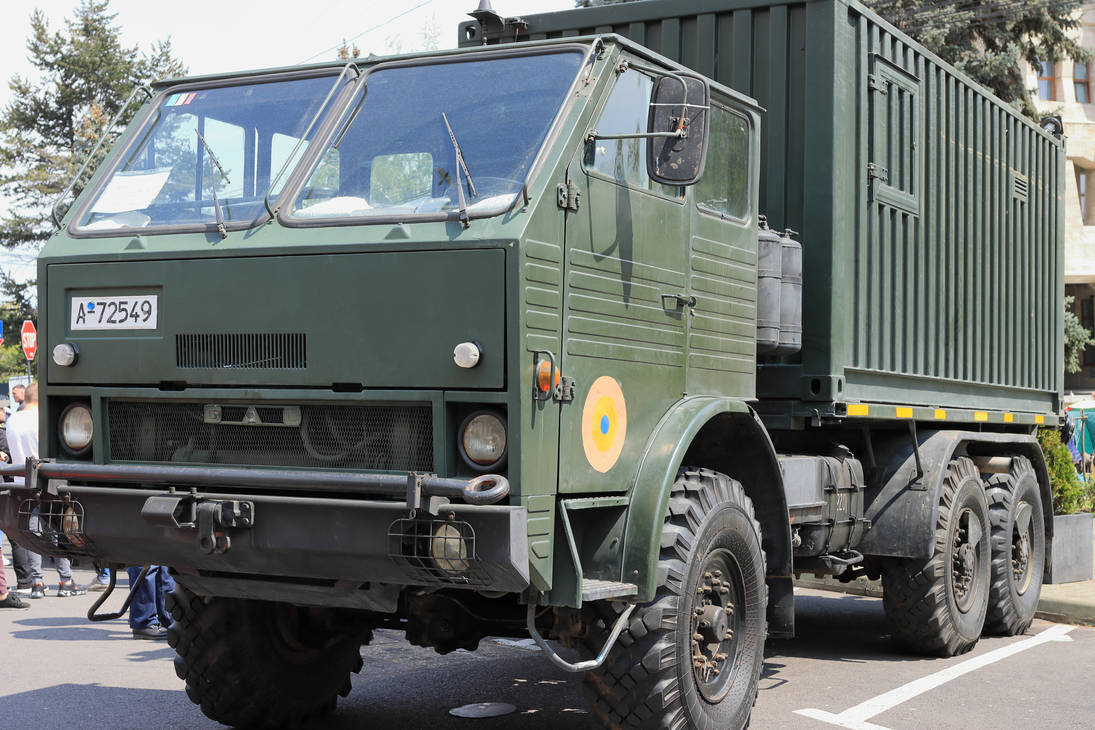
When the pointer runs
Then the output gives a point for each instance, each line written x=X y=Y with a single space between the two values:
x=449 y=550
x=483 y=440
x=76 y=429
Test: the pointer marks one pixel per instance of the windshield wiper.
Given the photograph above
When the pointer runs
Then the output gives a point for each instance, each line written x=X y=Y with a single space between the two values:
x=216 y=201
x=461 y=165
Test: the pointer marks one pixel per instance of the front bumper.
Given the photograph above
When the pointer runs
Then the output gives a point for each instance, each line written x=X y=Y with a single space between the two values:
x=223 y=529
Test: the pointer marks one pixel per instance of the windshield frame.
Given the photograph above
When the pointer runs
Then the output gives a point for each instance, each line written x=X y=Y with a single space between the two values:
x=311 y=160
x=137 y=130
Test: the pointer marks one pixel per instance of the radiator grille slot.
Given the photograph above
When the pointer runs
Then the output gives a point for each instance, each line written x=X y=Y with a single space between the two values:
x=381 y=437
x=242 y=351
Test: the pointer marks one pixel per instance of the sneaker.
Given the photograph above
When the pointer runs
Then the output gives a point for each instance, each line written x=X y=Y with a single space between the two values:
x=153 y=632
x=23 y=590
x=13 y=601
x=38 y=590
x=65 y=590
x=100 y=583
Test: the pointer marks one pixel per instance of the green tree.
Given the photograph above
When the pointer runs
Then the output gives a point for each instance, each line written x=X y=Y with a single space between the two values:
x=1077 y=337
x=987 y=39
x=84 y=74
x=16 y=305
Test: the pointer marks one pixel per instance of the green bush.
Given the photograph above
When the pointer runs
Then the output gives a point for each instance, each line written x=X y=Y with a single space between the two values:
x=1069 y=494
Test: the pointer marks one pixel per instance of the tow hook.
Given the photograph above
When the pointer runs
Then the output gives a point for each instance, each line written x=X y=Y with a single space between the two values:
x=210 y=517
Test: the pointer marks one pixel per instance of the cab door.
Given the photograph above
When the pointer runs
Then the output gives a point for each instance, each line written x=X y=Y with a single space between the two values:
x=626 y=298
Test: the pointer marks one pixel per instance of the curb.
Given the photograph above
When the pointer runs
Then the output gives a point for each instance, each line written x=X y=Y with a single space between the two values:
x=1062 y=610
x=1059 y=610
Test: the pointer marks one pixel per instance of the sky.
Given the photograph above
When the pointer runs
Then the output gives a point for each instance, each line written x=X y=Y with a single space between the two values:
x=212 y=36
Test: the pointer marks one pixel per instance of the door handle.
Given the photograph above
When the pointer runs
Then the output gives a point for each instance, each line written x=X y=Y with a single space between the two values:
x=678 y=300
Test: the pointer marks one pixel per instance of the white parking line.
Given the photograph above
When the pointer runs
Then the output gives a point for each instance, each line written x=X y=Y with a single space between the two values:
x=856 y=717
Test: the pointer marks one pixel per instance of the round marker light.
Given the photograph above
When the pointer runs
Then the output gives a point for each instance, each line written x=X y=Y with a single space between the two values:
x=483 y=440
x=544 y=376
x=449 y=550
x=76 y=429
x=65 y=355
x=466 y=354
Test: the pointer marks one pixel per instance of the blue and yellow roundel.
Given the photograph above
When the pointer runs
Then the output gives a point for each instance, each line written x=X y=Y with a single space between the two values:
x=604 y=423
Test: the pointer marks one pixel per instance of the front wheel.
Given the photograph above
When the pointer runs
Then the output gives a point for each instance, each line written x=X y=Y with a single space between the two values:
x=692 y=657
x=938 y=606
x=261 y=664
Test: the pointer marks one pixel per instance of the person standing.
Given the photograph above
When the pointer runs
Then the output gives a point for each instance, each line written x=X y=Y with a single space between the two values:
x=9 y=599
x=22 y=434
x=18 y=399
x=148 y=617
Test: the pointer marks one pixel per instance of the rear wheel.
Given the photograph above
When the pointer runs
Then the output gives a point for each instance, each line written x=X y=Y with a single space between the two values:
x=261 y=664
x=692 y=657
x=938 y=606
x=1018 y=548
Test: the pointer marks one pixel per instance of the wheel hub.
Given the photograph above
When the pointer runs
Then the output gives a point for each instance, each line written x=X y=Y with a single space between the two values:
x=964 y=563
x=1021 y=549
x=713 y=642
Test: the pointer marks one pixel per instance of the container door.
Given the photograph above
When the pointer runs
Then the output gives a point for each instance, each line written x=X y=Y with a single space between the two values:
x=625 y=290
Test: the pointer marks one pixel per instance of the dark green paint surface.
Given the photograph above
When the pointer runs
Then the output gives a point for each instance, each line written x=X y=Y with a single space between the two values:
x=929 y=278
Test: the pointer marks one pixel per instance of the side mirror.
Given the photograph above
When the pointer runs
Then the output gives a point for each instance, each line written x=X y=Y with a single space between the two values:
x=679 y=111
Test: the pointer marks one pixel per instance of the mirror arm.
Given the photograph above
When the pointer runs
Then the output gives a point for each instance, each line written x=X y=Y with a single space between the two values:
x=680 y=134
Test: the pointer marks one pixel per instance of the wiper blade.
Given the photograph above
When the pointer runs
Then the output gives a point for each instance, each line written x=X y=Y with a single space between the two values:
x=216 y=201
x=461 y=165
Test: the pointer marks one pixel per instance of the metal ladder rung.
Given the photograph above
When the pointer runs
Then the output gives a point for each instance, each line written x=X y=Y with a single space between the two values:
x=595 y=590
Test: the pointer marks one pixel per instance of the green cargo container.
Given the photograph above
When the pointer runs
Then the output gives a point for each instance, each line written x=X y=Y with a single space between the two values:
x=936 y=284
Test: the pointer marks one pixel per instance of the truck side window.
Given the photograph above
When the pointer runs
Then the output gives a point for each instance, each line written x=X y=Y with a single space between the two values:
x=626 y=112
x=724 y=188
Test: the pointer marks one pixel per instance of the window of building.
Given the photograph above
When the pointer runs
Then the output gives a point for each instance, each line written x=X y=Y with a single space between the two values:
x=1081 y=187
x=1081 y=83
x=1046 y=81
x=1087 y=319
x=1085 y=191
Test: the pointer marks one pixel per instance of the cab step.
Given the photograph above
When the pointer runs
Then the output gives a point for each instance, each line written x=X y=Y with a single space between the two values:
x=595 y=590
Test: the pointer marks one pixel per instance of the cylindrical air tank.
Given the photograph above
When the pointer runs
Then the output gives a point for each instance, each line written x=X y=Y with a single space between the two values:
x=790 y=295
x=769 y=268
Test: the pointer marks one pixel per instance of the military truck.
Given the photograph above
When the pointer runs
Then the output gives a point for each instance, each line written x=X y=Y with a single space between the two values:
x=600 y=328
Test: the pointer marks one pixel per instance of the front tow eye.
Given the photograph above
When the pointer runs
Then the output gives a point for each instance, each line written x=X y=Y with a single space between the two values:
x=210 y=517
x=214 y=515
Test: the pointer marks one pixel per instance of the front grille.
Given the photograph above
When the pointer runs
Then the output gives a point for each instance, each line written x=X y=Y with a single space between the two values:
x=245 y=351
x=382 y=437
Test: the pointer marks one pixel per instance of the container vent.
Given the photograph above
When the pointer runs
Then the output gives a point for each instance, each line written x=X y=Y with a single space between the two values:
x=1020 y=187
x=244 y=351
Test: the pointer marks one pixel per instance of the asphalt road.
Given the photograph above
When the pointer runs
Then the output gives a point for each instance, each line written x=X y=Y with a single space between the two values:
x=60 y=671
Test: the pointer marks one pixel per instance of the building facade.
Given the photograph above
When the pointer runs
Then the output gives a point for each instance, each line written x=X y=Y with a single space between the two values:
x=1065 y=89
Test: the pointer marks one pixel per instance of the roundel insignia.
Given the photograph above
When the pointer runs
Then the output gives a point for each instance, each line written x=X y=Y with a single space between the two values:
x=604 y=423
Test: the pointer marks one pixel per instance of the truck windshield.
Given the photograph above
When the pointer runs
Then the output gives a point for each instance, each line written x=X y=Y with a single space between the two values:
x=168 y=177
x=394 y=157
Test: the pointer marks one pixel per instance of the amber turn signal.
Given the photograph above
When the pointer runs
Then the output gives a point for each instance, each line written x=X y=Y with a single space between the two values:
x=543 y=376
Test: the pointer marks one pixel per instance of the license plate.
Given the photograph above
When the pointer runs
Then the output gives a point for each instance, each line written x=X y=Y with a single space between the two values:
x=137 y=312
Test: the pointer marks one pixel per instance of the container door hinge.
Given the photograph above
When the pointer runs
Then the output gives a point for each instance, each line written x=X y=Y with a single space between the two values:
x=568 y=196
x=879 y=172
x=564 y=391
x=879 y=84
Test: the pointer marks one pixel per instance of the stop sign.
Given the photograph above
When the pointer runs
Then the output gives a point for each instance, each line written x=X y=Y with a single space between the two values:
x=29 y=336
